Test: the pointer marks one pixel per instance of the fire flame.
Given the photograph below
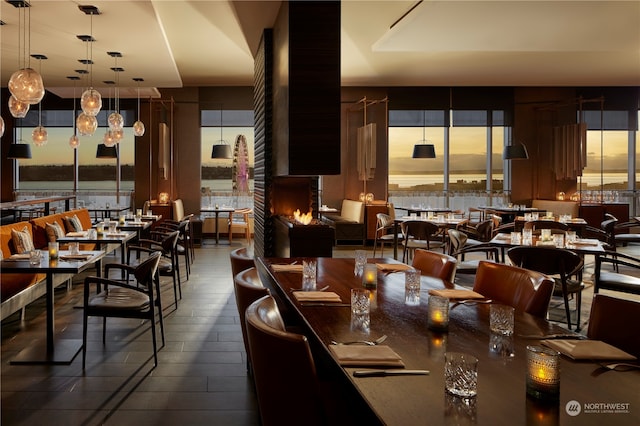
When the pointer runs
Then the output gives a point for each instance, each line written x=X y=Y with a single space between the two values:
x=304 y=218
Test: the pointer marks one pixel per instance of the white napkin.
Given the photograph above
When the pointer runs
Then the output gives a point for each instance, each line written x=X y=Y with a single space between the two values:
x=22 y=256
x=316 y=296
x=585 y=242
x=366 y=356
x=77 y=234
x=391 y=267
x=587 y=349
x=75 y=256
x=288 y=267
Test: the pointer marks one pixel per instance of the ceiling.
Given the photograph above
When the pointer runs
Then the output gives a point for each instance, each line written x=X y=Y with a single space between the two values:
x=172 y=43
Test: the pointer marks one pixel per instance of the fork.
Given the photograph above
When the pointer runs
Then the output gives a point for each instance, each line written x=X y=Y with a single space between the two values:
x=620 y=366
x=366 y=342
x=471 y=302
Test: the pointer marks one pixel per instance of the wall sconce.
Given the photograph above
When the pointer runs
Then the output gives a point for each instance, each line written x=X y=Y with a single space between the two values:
x=515 y=152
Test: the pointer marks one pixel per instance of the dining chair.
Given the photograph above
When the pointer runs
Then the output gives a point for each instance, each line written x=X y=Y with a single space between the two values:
x=182 y=246
x=420 y=234
x=526 y=290
x=478 y=234
x=616 y=271
x=239 y=221
x=624 y=234
x=561 y=264
x=612 y=320
x=433 y=264
x=117 y=299
x=169 y=265
x=384 y=225
x=240 y=260
x=460 y=248
x=284 y=371
x=554 y=226
x=247 y=288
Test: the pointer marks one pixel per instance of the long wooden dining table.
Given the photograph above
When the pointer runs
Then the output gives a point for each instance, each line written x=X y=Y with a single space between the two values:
x=421 y=400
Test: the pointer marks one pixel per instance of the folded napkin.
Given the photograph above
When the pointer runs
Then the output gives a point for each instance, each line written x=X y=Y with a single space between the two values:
x=22 y=256
x=587 y=349
x=456 y=293
x=75 y=256
x=115 y=234
x=77 y=234
x=585 y=242
x=502 y=236
x=366 y=356
x=391 y=267
x=316 y=296
x=288 y=267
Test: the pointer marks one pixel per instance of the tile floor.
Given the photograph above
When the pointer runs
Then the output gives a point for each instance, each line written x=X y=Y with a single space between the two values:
x=201 y=377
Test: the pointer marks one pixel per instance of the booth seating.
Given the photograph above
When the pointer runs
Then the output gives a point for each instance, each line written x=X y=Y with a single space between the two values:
x=18 y=290
x=349 y=224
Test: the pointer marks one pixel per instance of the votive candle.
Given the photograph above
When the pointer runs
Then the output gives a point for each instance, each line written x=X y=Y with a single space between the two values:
x=370 y=275
x=53 y=251
x=543 y=373
x=438 y=313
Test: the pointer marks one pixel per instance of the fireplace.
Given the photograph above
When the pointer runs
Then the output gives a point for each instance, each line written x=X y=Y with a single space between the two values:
x=291 y=194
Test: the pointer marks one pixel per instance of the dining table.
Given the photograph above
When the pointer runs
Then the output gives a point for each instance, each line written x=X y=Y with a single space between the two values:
x=53 y=350
x=421 y=399
x=581 y=246
x=108 y=241
x=216 y=210
x=443 y=221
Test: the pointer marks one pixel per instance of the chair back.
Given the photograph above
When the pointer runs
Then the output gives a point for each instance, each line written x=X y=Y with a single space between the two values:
x=240 y=260
x=548 y=260
x=383 y=221
x=526 y=290
x=484 y=230
x=457 y=240
x=432 y=264
x=419 y=230
x=613 y=320
x=146 y=270
x=283 y=368
x=247 y=288
x=535 y=225
x=169 y=242
x=178 y=209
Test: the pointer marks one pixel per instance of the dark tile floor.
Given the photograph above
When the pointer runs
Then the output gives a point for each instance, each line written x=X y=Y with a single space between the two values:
x=201 y=376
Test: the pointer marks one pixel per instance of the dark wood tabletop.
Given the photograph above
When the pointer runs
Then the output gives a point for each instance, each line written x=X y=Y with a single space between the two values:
x=412 y=400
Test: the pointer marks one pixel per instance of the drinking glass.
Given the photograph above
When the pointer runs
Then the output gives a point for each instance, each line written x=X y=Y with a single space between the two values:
x=412 y=287
x=571 y=236
x=361 y=259
x=516 y=238
x=527 y=237
x=461 y=374
x=501 y=319
x=73 y=248
x=360 y=309
x=558 y=240
x=34 y=257
x=309 y=271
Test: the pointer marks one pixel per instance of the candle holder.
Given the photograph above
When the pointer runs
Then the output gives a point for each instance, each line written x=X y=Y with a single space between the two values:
x=438 y=313
x=543 y=373
x=370 y=276
x=53 y=251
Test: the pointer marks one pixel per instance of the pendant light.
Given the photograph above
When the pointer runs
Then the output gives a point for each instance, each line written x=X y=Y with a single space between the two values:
x=515 y=152
x=39 y=136
x=108 y=139
x=86 y=124
x=91 y=100
x=74 y=141
x=26 y=84
x=221 y=149
x=138 y=126
x=1 y=127
x=106 y=152
x=115 y=120
x=423 y=149
x=18 y=109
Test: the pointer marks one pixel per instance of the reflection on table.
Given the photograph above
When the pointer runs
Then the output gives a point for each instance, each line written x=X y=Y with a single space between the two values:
x=414 y=400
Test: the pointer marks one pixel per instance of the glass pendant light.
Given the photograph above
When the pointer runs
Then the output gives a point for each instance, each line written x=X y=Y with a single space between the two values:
x=74 y=140
x=39 y=136
x=138 y=126
x=91 y=100
x=109 y=139
x=18 y=109
x=26 y=84
x=86 y=124
x=115 y=120
x=1 y=127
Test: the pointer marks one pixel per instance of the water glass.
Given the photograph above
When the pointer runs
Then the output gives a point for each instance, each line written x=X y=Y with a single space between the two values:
x=527 y=237
x=113 y=226
x=516 y=238
x=360 y=310
x=571 y=237
x=545 y=234
x=73 y=248
x=461 y=374
x=361 y=259
x=412 y=287
x=309 y=273
x=558 y=240
x=501 y=319
x=34 y=257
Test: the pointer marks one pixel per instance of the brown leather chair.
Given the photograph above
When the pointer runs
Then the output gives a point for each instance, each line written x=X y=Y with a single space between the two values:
x=526 y=290
x=434 y=264
x=240 y=260
x=247 y=288
x=558 y=262
x=119 y=299
x=283 y=369
x=614 y=320
x=460 y=248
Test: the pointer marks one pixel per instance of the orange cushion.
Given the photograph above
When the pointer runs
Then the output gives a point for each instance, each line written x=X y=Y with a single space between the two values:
x=13 y=284
x=83 y=215
x=39 y=224
x=6 y=245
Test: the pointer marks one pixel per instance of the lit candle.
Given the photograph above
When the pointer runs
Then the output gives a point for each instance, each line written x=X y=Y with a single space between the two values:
x=438 y=313
x=543 y=373
x=370 y=276
x=53 y=251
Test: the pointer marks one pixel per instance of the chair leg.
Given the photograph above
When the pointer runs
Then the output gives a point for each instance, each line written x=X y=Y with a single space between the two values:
x=153 y=336
x=104 y=330
x=84 y=340
x=566 y=306
x=578 y=307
